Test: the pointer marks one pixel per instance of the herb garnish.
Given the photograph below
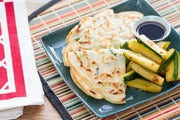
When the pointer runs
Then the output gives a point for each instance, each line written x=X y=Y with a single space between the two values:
x=97 y=71
x=112 y=52
x=77 y=39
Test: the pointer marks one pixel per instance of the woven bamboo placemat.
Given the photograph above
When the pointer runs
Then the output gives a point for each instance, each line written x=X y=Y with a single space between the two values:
x=67 y=12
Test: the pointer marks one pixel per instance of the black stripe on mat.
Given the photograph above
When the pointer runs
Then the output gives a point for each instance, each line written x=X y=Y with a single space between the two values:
x=54 y=100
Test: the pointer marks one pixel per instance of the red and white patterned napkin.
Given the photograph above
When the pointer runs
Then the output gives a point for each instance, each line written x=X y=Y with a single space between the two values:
x=19 y=81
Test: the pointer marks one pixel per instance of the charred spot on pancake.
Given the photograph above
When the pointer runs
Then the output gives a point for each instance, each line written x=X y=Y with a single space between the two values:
x=79 y=49
x=115 y=93
x=84 y=54
x=120 y=91
x=114 y=71
x=123 y=99
x=81 y=63
x=93 y=62
x=92 y=92
x=78 y=28
x=85 y=42
x=99 y=82
x=116 y=85
x=111 y=91
x=108 y=75
x=117 y=71
x=87 y=69
x=112 y=58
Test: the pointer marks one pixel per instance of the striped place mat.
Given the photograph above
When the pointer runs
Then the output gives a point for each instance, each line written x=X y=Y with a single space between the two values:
x=67 y=12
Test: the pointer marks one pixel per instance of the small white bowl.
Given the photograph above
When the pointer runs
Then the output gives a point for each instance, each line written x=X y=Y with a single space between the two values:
x=156 y=19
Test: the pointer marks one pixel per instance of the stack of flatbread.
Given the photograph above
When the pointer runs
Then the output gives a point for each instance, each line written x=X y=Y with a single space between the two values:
x=94 y=56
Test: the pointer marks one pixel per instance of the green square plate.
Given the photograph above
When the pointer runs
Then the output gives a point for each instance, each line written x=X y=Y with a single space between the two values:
x=54 y=43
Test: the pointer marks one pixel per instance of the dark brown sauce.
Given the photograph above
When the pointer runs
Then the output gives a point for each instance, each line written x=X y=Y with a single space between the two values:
x=152 y=30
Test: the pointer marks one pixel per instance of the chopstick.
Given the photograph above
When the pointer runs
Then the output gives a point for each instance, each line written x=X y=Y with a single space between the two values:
x=41 y=9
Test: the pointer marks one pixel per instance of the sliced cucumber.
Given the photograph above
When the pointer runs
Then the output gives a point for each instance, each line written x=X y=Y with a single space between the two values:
x=144 y=85
x=163 y=44
x=170 y=72
x=127 y=61
x=141 y=48
x=178 y=77
x=141 y=60
x=131 y=75
x=153 y=77
x=175 y=66
x=125 y=46
x=172 y=69
x=128 y=67
x=151 y=45
x=168 y=57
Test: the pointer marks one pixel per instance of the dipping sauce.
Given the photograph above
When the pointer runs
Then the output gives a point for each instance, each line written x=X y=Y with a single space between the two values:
x=152 y=30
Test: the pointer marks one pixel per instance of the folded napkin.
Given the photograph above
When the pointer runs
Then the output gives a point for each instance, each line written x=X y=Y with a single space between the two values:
x=19 y=81
x=11 y=113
